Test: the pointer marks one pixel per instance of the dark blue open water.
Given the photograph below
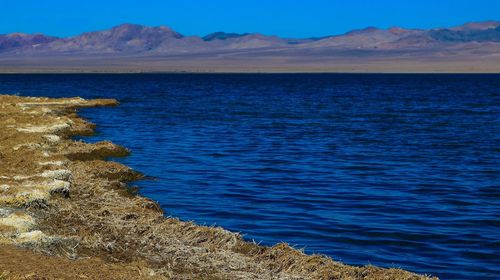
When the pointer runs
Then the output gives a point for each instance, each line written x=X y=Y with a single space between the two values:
x=392 y=170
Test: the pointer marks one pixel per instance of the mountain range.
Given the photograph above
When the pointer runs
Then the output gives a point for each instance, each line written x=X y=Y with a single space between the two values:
x=132 y=47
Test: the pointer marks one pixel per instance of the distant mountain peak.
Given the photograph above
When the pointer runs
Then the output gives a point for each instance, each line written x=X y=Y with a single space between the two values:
x=165 y=28
x=128 y=25
x=19 y=41
x=17 y=34
x=369 y=29
x=485 y=31
x=398 y=30
x=131 y=27
x=480 y=25
x=223 y=36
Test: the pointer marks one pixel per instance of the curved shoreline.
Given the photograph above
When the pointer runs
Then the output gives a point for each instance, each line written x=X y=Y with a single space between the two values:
x=59 y=197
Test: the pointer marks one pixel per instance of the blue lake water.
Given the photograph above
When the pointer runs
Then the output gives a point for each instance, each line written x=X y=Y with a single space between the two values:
x=392 y=170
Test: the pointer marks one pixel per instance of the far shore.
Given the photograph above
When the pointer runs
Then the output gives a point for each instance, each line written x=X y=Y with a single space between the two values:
x=187 y=64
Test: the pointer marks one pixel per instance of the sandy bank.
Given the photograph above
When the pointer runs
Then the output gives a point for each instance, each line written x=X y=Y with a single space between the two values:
x=66 y=213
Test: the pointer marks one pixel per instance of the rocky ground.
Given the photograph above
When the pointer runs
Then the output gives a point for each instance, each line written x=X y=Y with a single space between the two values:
x=67 y=213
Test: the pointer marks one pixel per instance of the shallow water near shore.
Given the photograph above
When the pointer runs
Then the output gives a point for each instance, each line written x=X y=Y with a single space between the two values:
x=392 y=170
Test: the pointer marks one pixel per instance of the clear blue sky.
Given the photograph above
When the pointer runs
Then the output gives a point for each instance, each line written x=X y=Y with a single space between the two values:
x=289 y=18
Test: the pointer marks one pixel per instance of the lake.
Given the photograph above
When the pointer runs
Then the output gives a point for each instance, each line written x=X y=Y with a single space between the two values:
x=390 y=170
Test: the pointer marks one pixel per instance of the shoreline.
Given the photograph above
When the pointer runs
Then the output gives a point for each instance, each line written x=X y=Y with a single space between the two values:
x=64 y=203
x=245 y=73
